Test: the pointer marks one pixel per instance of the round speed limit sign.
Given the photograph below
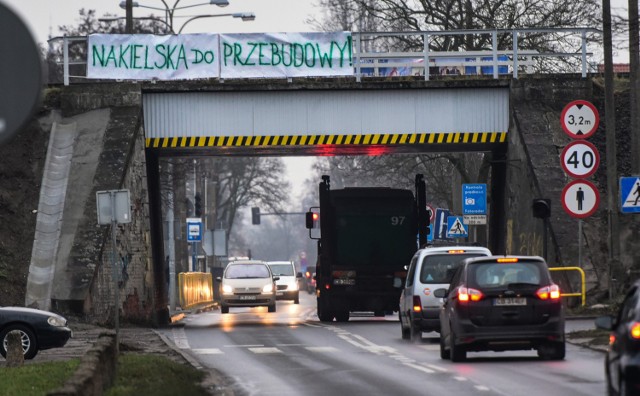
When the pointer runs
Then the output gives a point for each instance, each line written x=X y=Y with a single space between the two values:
x=580 y=159
x=580 y=119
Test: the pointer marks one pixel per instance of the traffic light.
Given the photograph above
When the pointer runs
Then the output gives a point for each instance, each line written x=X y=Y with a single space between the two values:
x=541 y=208
x=198 y=205
x=311 y=219
x=255 y=215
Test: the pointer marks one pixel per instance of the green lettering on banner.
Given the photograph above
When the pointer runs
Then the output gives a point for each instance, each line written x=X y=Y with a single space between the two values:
x=227 y=52
x=313 y=56
x=182 y=56
x=347 y=47
x=95 y=53
x=206 y=57
x=276 y=58
x=237 y=49
x=284 y=55
x=160 y=51
x=123 y=61
x=295 y=56
x=146 y=58
x=135 y=57
x=261 y=55
x=326 y=58
x=112 y=57
x=247 y=62
x=170 y=51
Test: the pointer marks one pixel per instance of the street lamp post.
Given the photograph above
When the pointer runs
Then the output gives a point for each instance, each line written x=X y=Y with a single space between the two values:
x=245 y=16
x=128 y=5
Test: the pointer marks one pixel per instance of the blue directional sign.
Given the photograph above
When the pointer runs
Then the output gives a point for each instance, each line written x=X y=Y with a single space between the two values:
x=630 y=194
x=456 y=228
x=440 y=224
x=474 y=199
x=194 y=230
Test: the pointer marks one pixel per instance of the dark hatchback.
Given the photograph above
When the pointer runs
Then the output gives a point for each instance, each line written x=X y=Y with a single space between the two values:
x=501 y=303
x=622 y=360
x=38 y=329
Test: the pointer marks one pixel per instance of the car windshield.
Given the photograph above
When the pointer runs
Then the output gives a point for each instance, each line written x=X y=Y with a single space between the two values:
x=243 y=271
x=488 y=275
x=282 y=269
x=439 y=268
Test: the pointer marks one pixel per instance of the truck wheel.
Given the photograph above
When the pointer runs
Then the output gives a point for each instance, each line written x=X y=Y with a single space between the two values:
x=224 y=309
x=296 y=300
x=406 y=333
x=324 y=313
x=342 y=316
x=272 y=307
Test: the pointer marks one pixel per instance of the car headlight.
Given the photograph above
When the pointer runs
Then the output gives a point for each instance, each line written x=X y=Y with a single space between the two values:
x=227 y=289
x=267 y=288
x=293 y=287
x=56 y=321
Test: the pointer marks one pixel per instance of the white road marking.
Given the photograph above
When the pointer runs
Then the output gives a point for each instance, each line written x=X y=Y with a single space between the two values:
x=438 y=368
x=322 y=349
x=460 y=378
x=207 y=351
x=180 y=338
x=265 y=350
x=244 y=346
x=419 y=368
x=482 y=388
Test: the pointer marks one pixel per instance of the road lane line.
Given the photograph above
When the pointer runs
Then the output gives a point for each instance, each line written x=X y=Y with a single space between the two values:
x=207 y=351
x=419 y=368
x=180 y=338
x=265 y=350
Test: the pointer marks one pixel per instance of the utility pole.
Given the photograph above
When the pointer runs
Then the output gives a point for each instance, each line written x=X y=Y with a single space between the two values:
x=634 y=85
x=129 y=17
x=612 y=166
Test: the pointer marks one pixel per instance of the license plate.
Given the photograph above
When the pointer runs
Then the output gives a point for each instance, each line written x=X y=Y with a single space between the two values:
x=247 y=297
x=510 y=301
x=341 y=281
x=279 y=294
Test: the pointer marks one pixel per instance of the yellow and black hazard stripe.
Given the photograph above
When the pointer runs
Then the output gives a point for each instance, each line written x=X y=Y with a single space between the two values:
x=318 y=140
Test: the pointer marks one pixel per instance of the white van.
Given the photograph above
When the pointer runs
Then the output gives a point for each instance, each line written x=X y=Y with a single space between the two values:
x=430 y=268
x=287 y=285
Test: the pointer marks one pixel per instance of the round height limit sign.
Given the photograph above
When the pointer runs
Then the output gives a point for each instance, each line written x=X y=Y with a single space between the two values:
x=580 y=119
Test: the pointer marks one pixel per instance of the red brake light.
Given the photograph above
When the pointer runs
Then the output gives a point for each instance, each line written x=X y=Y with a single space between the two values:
x=549 y=293
x=417 y=304
x=455 y=251
x=468 y=294
x=635 y=331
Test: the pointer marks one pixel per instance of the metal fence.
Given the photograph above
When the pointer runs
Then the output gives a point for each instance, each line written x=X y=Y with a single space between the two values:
x=504 y=52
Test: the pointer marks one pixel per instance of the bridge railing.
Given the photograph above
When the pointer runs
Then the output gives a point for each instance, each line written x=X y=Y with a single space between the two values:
x=375 y=54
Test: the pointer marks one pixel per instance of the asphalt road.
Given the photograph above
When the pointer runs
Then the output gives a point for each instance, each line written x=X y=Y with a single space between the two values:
x=291 y=352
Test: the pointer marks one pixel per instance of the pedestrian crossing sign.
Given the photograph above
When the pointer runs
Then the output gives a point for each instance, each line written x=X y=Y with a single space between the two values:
x=630 y=194
x=456 y=228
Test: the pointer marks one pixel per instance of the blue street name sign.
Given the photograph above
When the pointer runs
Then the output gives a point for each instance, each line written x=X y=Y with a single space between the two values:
x=630 y=194
x=474 y=199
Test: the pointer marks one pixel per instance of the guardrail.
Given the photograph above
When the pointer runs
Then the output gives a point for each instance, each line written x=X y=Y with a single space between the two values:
x=370 y=60
x=583 y=289
x=195 y=288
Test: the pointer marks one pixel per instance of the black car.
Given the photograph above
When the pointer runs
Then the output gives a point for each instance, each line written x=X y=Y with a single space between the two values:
x=622 y=360
x=500 y=303
x=39 y=329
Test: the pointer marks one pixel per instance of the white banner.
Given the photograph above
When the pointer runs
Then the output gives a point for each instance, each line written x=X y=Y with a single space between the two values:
x=190 y=56
x=149 y=57
x=282 y=55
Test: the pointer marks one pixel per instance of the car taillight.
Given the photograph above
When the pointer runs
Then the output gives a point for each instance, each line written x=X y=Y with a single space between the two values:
x=634 y=331
x=417 y=304
x=466 y=294
x=551 y=292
